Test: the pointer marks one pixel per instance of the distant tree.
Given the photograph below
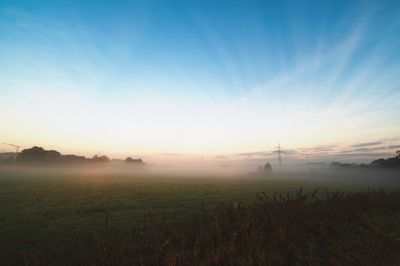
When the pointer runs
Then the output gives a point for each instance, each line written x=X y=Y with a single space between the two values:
x=135 y=161
x=38 y=155
x=73 y=159
x=340 y=165
x=393 y=162
x=267 y=167
x=100 y=159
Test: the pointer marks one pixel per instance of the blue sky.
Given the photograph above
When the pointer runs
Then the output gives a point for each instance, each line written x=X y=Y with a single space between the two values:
x=200 y=77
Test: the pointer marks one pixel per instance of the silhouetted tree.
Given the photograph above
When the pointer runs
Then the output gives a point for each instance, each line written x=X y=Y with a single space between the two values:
x=393 y=162
x=135 y=161
x=100 y=159
x=72 y=159
x=267 y=167
x=264 y=170
x=38 y=155
x=343 y=165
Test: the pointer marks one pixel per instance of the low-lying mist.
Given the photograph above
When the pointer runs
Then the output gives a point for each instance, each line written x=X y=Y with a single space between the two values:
x=365 y=177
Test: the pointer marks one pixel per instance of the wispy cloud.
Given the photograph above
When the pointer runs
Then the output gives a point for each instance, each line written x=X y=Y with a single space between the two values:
x=366 y=144
x=286 y=152
x=393 y=147
x=169 y=154
x=256 y=153
x=318 y=149
x=369 y=155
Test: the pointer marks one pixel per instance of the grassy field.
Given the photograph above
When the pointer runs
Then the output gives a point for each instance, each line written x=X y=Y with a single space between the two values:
x=46 y=211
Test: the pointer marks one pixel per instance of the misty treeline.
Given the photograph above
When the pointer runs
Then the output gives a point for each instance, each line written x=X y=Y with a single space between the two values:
x=38 y=155
x=392 y=162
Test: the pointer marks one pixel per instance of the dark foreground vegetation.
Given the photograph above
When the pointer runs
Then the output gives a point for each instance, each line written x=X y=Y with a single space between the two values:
x=319 y=228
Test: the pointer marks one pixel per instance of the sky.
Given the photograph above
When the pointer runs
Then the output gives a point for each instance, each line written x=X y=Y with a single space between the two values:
x=227 y=80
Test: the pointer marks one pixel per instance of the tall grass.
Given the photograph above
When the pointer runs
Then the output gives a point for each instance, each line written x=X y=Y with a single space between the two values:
x=318 y=228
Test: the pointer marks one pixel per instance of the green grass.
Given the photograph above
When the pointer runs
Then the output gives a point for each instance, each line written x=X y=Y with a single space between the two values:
x=293 y=229
x=58 y=211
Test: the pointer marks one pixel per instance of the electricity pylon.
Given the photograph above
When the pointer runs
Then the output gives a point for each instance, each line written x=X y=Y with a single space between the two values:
x=16 y=150
x=279 y=151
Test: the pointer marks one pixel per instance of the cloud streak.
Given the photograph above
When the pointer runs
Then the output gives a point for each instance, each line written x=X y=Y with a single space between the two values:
x=366 y=144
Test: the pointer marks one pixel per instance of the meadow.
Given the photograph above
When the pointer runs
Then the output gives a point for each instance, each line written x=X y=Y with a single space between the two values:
x=44 y=211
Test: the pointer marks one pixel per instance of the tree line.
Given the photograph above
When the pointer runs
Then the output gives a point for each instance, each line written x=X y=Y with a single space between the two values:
x=38 y=155
x=390 y=163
